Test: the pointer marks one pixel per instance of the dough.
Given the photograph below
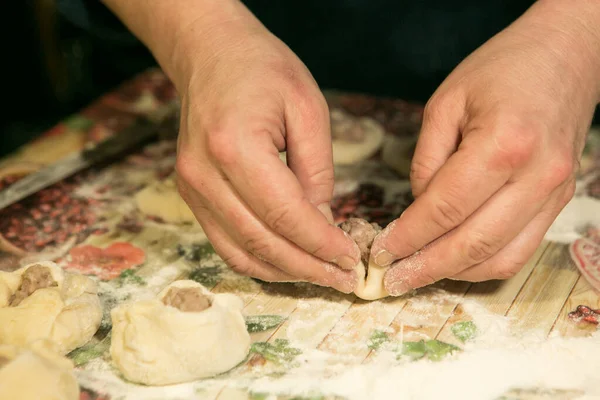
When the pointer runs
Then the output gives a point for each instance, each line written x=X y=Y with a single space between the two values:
x=161 y=199
x=397 y=153
x=354 y=139
x=36 y=373
x=41 y=301
x=187 y=333
x=370 y=276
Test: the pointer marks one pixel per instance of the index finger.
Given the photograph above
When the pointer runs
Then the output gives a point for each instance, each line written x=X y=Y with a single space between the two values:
x=273 y=192
x=460 y=187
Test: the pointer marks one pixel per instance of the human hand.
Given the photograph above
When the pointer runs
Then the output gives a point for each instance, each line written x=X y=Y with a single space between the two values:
x=498 y=150
x=245 y=98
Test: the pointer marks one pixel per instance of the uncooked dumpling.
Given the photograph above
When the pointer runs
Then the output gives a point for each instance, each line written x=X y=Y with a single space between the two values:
x=41 y=301
x=187 y=333
x=370 y=276
x=354 y=139
x=161 y=199
x=36 y=373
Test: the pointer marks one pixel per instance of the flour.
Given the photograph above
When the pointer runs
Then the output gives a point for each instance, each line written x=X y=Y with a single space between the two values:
x=580 y=212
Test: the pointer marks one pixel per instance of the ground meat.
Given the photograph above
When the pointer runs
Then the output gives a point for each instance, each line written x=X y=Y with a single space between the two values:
x=3 y=361
x=34 y=278
x=187 y=299
x=363 y=234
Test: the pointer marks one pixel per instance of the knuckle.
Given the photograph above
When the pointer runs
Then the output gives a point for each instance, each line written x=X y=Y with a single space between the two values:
x=477 y=250
x=240 y=265
x=220 y=147
x=420 y=169
x=447 y=215
x=185 y=168
x=558 y=171
x=282 y=219
x=260 y=247
x=516 y=143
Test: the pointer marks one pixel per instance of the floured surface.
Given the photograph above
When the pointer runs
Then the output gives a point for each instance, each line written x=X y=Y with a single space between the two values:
x=312 y=342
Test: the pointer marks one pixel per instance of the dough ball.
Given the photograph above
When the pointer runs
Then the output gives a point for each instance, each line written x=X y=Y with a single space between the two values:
x=161 y=199
x=41 y=301
x=36 y=373
x=397 y=153
x=187 y=333
x=354 y=139
x=370 y=276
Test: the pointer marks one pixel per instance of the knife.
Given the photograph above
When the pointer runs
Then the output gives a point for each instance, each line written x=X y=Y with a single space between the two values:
x=142 y=129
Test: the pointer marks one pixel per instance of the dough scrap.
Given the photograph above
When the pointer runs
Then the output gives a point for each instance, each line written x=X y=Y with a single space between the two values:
x=36 y=373
x=161 y=199
x=157 y=344
x=370 y=276
x=354 y=139
x=41 y=301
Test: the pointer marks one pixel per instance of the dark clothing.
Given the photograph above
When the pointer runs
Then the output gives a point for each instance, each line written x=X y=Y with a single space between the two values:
x=388 y=47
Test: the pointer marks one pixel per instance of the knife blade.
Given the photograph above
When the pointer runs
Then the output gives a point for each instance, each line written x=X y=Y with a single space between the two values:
x=142 y=129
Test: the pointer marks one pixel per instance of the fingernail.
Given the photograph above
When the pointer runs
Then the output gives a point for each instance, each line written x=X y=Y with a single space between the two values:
x=398 y=288
x=345 y=262
x=325 y=209
x=384 y=258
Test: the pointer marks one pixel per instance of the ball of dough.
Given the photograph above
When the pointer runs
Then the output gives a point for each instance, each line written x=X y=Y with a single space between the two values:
x=187 y=333
x=370 y=276
x=161 y=199
x=36 y=373
x=354 y=139
x=41 y=301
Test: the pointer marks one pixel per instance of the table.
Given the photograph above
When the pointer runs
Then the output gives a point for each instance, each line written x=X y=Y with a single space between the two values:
x=90 y=223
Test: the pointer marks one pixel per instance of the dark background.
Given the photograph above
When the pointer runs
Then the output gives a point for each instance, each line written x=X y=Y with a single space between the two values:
x=59 y=55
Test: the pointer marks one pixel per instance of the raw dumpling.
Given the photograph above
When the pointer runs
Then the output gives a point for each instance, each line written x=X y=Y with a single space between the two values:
x=354 y=139
x=41 y=301
x=370 y=276
x=36 y=373
x=161 y=199
x=187 y=333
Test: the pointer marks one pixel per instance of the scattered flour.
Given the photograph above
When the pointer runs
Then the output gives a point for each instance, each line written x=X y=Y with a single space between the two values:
x=578 y=213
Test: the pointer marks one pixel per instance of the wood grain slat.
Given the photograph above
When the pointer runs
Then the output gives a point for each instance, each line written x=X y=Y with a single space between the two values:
x=495 y=296
x=540 y=301
x=582 y=294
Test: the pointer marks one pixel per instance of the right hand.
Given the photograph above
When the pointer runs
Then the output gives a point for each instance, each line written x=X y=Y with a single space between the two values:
x=246 y=97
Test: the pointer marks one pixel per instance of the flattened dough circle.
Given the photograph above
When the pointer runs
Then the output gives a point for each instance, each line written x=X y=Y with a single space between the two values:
x=156 y=344
x=67 y=313
x=354 y=139
x=161 y=199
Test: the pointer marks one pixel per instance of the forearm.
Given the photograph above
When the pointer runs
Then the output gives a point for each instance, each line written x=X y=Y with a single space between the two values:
x=172 y=29
x=573 y=27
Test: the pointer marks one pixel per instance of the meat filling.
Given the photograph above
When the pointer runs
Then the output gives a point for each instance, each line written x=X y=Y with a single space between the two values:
x=187 y=299
x=34 y=278
x=363 y=233
x=3 y=361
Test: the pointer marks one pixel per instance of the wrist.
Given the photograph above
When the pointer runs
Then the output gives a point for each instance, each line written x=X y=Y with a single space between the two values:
x=572 y=29
x=183 y=34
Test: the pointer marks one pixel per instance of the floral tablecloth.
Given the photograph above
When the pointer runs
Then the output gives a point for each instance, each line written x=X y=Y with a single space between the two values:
x=89 y=223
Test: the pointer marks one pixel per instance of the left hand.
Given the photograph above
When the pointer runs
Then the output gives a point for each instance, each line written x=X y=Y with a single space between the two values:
x=500 y=144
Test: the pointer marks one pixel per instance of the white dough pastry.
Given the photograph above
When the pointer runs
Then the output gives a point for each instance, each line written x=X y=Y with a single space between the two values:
x=41 y=301
x=161 y=199
x=397 y=153
x=354 y=139
x=370 y=276
x=187 y=333
x=36 y=373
